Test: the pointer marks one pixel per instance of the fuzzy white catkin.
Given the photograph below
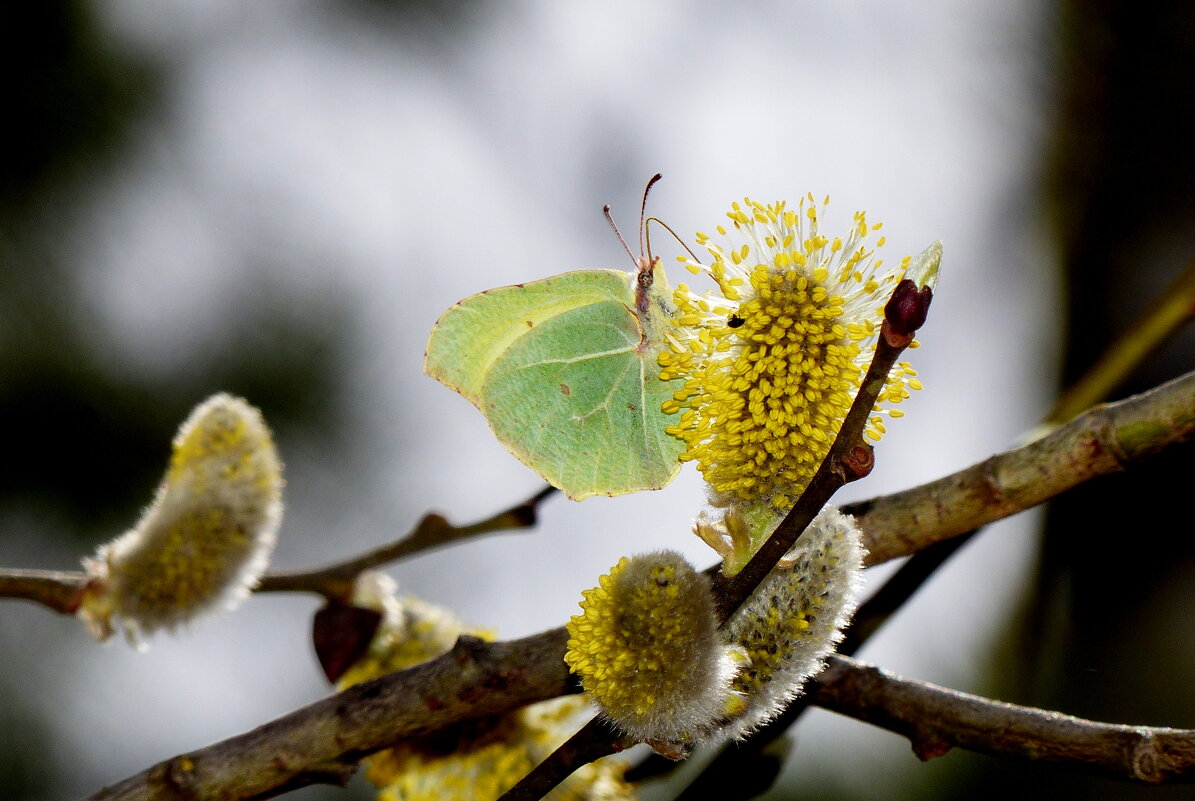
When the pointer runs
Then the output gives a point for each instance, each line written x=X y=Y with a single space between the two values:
x=795 y=619
x=647 y=649
x=206 y=539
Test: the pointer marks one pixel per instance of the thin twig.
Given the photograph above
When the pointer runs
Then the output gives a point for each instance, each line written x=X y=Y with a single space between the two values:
x=833 y=473
x=60 y=590
x=433 y=531
x=935 y=719
x=594 y=740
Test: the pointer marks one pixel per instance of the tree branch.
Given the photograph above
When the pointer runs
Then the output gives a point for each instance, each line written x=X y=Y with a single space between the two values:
x=326 y=738
x=59 y=590
x=336 y=581
x=323 y=738
x=1107 y=439
x=935 y=719
x=741 y=758
x=849 y=458
x=330 y=736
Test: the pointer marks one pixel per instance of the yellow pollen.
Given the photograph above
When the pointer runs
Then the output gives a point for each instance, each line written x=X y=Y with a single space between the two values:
x=771 y=367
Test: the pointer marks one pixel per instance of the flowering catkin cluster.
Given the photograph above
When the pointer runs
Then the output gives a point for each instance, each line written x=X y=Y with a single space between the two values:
x=772 y=358
x=480 y=760
x=206 y=538
x=646 y=647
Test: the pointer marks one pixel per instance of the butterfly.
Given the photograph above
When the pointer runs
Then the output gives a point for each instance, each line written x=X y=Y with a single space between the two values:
x=565 y=370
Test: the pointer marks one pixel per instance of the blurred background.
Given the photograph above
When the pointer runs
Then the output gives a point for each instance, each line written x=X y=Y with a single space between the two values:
x=279 y=198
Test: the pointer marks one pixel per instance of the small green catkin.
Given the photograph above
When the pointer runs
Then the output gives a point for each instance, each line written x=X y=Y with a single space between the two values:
x=206 y=539
x=647 y=649
x=795 y=619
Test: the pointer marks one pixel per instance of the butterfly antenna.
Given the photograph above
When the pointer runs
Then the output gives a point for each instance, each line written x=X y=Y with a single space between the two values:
x=644 y=247
x=617 y=233
x=665 y=226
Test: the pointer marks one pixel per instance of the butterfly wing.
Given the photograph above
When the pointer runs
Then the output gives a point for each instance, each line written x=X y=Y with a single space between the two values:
x=567 y=379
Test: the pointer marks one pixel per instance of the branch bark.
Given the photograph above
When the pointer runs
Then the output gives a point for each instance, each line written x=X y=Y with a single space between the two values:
x=935 y=719
x=59 y=590
x=336 y=581
x=849 y=458
x=329 y=737
x=1107 y=439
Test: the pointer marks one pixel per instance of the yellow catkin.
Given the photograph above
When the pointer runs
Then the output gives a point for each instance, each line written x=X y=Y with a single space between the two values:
x=769 y=378
x=646 y=647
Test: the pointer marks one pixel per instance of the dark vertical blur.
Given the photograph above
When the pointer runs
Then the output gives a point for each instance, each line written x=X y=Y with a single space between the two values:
x=86 y=439
x=1108 y=634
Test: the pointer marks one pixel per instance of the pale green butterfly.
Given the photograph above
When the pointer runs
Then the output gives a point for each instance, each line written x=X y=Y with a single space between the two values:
x=565 y=370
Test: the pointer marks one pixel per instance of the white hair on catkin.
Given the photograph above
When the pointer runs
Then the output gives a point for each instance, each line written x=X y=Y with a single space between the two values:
x=206 y=538
x=795 y=619
x=647 y=649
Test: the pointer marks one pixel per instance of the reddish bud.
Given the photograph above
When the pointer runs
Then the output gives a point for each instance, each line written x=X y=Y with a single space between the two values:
x=907 y=308
x=341 y=635
x=859 y=461
x=930 y=747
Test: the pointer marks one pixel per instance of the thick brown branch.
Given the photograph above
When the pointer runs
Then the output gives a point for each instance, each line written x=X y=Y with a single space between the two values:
x=935 y=719
x=327 y=737
x=330 y=736
x=433 y=531
x=57 y=589
x=1107 y=439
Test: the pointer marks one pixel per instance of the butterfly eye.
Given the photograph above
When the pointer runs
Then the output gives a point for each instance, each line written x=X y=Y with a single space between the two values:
x=735 y=321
